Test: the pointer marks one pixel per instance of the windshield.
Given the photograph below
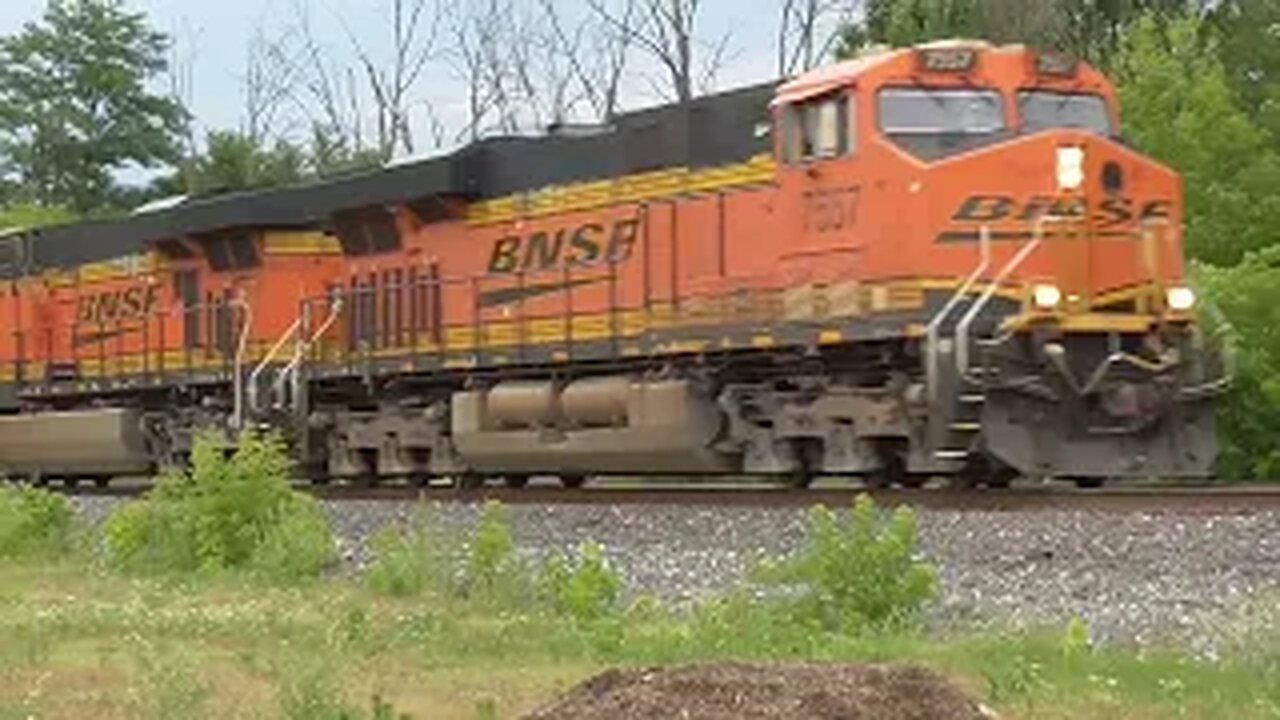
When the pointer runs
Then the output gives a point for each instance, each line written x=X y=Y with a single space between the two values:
x=1043 y=110
x=934 y=123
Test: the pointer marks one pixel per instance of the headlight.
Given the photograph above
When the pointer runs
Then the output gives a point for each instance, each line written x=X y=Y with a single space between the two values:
x=1045 y=297
x=1180 y=298
x=1070 y=168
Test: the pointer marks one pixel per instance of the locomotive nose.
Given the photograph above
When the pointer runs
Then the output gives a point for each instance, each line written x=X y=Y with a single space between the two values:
x=1107 y=217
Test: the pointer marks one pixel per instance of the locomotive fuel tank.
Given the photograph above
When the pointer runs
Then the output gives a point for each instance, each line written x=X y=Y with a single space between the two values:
x=607 y=424
x=81 y=442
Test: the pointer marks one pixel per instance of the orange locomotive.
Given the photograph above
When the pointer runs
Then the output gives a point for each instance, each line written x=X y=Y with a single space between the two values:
x=931 y=261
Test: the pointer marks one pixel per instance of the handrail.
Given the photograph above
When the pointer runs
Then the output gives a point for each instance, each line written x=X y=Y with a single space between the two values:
x=1057 y=357
x=267 y=359
x=962 y=330
x=241 y=349
x=290 y=371
x=935 y=325
x=1225 y=333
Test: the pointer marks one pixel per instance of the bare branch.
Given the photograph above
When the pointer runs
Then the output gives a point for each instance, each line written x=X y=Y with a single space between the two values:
x=271 y=74
x=667 y=31
x=414 y=34
x=808 y=31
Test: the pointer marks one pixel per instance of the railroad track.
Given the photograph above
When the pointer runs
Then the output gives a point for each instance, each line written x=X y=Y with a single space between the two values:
x=1195 y=499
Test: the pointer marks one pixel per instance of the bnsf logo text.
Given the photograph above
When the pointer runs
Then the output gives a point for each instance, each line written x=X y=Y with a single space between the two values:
x=129 y=304
x=1107 y=213
x=566 y=247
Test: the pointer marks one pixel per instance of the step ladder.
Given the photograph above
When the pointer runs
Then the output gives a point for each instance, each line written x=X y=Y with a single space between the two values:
x=284 y=380
x=956 y=382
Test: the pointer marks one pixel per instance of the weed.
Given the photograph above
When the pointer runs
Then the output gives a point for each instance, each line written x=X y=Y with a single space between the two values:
x=225 y=513
x=1075 y=640
x=170 y=688
x=313 y=693
x=412 y=559
x=33 y=523
x=486 y=709
x=384 y=710
x=856 y=576
x=1013 y=679
x=587 y=590
x=493 y=570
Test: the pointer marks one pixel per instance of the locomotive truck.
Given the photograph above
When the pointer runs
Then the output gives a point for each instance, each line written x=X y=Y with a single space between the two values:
x=940 y=260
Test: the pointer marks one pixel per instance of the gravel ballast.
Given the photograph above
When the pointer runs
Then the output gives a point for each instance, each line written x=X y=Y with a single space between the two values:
x=1133 y=577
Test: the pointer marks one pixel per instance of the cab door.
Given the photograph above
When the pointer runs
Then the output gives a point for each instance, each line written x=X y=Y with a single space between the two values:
x=820 y=181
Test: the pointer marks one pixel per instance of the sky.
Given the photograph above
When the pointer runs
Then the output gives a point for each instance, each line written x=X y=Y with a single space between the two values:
x=211 y=38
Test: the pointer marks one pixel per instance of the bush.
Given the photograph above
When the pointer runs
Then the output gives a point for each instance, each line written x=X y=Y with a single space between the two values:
x=858 y=576
x=235 y=513
x=33 y=522
x=586 y=590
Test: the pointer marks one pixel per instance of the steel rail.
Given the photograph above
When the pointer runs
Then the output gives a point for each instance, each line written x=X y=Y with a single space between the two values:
x=1182 y=499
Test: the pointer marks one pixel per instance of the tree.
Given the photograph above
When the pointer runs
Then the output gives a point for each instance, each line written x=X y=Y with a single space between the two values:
x=1179 y=108
x=29 y=216
x=1085 y=28
x=1248 y=34
x=234 y=161
x=908 y=22
x=333 y=155
x=74 y=102
x=1248 y=294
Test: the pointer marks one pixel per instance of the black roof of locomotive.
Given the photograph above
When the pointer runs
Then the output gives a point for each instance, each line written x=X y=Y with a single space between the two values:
x=712 y=130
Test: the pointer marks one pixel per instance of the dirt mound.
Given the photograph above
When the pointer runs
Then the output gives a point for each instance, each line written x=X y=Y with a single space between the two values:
x=765 y=692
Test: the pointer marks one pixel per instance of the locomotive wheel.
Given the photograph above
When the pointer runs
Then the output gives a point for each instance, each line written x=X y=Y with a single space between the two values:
x=914 y=481
x=983 y=471
x=573 y=482
x=469 y=481
x=101 y=481
x=878 y=480
x=893 y=470
x=1090 y=483
x=1001 y=478
x=70 y=482
x=806 y=453
x=800 y=478
x=516 y=481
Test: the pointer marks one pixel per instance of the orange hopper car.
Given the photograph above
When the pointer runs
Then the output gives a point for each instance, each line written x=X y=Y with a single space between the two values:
x=932 y=261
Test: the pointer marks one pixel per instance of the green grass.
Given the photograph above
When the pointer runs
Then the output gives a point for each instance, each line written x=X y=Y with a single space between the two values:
x=78 y=643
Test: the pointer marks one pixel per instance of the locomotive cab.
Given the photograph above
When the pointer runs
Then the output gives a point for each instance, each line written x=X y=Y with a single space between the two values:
x=1058 y=317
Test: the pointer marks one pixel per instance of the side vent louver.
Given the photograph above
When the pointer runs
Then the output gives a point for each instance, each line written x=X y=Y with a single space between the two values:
x=367 y=232
x=230 y=250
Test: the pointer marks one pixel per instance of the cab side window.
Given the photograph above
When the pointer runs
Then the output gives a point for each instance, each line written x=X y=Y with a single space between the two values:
x=819 y=128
